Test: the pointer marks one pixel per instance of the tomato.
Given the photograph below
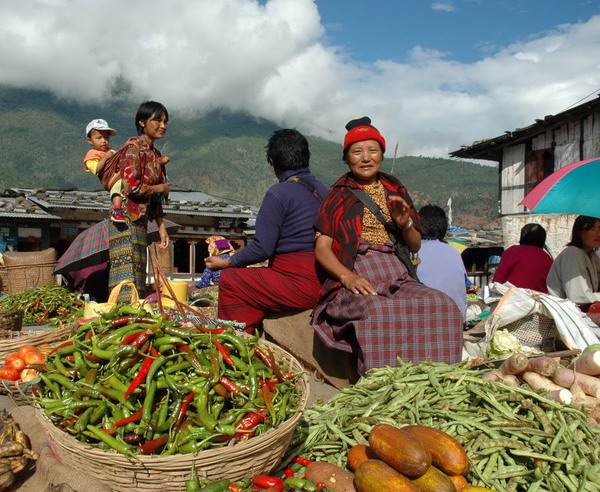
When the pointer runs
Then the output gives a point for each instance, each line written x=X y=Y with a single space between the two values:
x=15 y=361
x=28 y=374
x=9 y=373
x=26 y=348
x=34 y=358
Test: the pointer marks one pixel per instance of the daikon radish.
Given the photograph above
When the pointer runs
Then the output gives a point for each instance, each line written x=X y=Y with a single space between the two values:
x=538 y=382
x=562 y=395
x=491 y=376
x=515 y=364
x=546 y=366
x=567 y=378
x=510 y=379
x=588 y=364
x=583 y=400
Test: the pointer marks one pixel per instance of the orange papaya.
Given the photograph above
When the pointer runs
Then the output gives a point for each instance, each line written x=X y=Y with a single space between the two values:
x=434 y=480
x=358 y=454
x=376 y=476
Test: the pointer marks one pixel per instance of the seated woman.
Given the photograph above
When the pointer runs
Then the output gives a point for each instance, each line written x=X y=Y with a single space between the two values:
x=217 y=246
x=527 y=264
x=369 y=304
x=575 y=273
x=441 y=266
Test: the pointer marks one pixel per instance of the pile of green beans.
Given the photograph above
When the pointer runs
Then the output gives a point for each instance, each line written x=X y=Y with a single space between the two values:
x=144 y=384
x=515 y=438
x=43 y=304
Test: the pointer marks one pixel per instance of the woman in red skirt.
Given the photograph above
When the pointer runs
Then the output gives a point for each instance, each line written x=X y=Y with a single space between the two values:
x=369 y=304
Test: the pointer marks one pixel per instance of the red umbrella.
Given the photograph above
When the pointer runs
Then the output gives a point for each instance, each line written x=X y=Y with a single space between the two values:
x=91 y=246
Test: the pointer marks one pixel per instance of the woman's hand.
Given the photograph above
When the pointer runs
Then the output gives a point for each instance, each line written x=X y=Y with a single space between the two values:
x=163 y=188
x=399 y=210
x=164 y=236
x=216 y=263
x=357 y=284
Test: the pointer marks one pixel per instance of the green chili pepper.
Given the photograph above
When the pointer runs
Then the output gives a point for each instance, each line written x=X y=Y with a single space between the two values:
x=201 y=402
x=110 y=441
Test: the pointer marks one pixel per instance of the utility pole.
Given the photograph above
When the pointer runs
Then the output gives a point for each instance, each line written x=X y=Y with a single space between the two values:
x=394 y=159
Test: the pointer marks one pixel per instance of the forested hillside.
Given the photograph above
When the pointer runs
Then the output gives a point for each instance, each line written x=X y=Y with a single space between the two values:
x=223 y=154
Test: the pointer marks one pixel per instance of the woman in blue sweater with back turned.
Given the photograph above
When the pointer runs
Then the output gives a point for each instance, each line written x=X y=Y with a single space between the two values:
x=284 y=236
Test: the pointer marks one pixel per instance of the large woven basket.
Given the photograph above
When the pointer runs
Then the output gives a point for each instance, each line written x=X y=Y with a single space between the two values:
x=17 y=339
x=259 y=454
x=22 y=393
x=29 y=269
x=3 y=280
x=535 y=330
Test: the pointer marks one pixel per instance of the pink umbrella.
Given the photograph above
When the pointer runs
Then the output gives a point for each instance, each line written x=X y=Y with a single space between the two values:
x=570 y=190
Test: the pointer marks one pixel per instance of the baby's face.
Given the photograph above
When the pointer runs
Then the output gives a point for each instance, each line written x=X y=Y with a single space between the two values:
x=99 y=139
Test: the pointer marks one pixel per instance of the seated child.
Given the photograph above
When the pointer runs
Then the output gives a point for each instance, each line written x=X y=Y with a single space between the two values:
x=98 y=135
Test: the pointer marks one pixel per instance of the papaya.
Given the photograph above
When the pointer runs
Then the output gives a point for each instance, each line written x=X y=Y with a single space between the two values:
x=358 y=454
x=400 y=450
x=459 y=481
x=434 y=480
x=446 y=452
x=376 y=476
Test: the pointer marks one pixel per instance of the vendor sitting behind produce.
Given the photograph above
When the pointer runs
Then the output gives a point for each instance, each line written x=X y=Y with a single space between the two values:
x=284 y=236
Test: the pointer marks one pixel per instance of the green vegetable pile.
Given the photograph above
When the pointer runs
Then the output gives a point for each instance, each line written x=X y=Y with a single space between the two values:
x=43 y=304
x=144 y=384
x=516 y=439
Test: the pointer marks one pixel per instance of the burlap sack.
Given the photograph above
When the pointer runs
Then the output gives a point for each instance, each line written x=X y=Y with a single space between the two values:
x=48 y=469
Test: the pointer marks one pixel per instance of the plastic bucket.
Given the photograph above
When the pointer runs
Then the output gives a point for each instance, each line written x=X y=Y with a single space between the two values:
x=180 y=289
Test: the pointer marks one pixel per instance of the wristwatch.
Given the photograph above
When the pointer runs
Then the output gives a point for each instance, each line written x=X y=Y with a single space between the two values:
x=409 y=225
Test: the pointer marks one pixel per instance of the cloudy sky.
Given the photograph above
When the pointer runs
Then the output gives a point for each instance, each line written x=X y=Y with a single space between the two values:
x=433 y=75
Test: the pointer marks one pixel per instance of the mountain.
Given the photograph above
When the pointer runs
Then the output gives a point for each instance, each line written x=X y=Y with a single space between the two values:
x=221 y=153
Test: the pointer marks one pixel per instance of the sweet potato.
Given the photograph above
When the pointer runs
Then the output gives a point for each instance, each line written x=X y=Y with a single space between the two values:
x=555 y=392
x=515 y=364
x=567 y=378
x=336 y=478
x=545 y=366
x=588 y=364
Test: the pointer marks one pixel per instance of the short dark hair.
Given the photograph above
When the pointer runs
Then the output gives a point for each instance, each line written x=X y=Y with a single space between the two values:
x=533 y=235
x=582 y=223
x=287 y=149
x=434 y=222
x=149 y=109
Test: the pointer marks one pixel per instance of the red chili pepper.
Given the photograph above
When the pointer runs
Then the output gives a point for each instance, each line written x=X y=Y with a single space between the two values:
x=198 y=367
x=125 y=320
x=221 y=391
x=134 y=417
x=110 y=432
x=140 y=376
x=288 y=375
x=229 y=385
x=321 y=485
x=154 y=352
x=289 y=473
x=266 y=394
x=151 y=446
x=70 y=358
x=262 y=356
x=183 y=410
x=206 y=329
x=249 y=422
x=235 y=488
x=65 y=344
x=271 y=385
x=274 y=365
x=266 y=482
x=142 y=338
x=61 y=310
x=92 y=357
x=130 y=338
x=302 y=461
x=224 y=352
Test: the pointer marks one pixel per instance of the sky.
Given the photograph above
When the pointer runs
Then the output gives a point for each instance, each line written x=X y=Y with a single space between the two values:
x=432 y=75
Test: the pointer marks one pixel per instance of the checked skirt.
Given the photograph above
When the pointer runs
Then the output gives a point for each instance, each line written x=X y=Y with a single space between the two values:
x=406 y=319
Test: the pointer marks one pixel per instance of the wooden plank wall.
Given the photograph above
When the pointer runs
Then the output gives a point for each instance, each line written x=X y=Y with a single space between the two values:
x=512 y=177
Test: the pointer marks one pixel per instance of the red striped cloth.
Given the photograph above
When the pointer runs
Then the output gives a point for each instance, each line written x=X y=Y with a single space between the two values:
x=248 y=294
x=406 y=319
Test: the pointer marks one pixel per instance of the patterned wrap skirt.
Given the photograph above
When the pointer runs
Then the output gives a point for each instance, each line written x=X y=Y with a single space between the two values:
x=128 y=243
x=406 y=319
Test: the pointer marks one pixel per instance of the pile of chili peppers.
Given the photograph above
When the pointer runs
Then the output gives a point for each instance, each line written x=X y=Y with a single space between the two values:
x=42 y=304
x=143 y=384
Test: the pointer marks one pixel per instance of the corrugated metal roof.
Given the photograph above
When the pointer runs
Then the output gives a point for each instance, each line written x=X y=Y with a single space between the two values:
x=180 y=202
x=17 y=206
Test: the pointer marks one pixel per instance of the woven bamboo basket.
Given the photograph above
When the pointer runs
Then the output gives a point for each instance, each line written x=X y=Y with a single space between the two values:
x=22 y=393
x=17 y=339
x=3 y=280
x=29 y=269
x=10 y=321
x=259 y=454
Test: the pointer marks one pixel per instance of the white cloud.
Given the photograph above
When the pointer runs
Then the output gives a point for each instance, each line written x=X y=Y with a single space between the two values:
x=270 y=60
x=444 y=6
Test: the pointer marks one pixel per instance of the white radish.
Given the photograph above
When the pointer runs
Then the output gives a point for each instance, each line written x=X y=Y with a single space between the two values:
x=588 y=364
x=546 y=366
x=583 y=400
x=515 y=364
x=567 y=378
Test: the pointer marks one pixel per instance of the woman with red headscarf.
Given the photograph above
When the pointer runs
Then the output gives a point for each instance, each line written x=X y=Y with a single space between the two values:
x=369 y=303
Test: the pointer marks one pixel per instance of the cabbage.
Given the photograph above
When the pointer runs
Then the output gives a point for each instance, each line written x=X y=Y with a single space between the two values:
x=503 y=344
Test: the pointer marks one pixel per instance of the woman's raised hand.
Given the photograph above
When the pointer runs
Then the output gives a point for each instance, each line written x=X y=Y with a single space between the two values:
x=399 y=210
x=357 y=284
